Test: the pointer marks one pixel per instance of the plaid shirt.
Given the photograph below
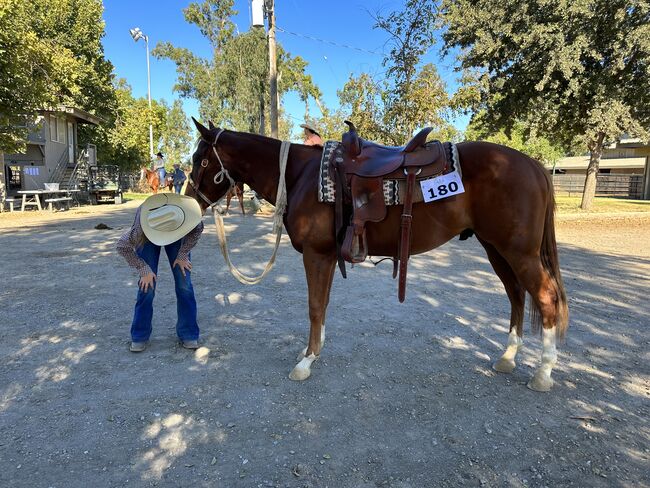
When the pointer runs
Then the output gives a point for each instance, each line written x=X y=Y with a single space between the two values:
x=126 y=246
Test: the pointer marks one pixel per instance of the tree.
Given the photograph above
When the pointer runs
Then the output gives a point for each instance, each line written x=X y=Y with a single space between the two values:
x=362 y=101
x=412 y=97
x=232 y=86
x=50 y=54
x=563 y=69
x=536 y=147
x=176 y=137
x=125 y=142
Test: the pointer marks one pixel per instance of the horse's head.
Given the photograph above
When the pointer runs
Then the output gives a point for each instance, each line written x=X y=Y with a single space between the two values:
x=212 y=174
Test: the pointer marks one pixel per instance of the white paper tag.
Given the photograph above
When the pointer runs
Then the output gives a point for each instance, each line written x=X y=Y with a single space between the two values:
x=442 y=187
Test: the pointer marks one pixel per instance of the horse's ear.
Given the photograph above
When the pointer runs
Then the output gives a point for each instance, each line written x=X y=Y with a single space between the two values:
x=203 y=130
x=211 y=125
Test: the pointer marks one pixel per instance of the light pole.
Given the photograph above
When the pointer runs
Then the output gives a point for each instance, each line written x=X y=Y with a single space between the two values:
x=137 y=34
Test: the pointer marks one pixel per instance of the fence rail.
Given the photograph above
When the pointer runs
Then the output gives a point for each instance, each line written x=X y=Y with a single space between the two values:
x=620 y=185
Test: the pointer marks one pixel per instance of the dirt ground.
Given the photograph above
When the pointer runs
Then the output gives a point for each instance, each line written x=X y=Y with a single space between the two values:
x=403 y=395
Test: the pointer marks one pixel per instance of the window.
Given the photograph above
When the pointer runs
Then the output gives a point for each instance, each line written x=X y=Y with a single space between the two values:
x=60 y=129
x=57 y=129
x=53 y=137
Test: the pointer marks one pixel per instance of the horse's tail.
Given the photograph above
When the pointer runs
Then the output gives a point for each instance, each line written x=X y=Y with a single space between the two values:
x=551 y=263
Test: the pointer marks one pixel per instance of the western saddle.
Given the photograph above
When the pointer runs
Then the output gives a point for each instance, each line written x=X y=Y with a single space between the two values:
x=360 y=168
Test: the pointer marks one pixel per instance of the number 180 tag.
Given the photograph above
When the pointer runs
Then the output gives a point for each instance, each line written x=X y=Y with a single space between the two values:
x=442 y=187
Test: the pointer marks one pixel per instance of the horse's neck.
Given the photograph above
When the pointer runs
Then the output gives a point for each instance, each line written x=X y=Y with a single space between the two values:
x=258 y=164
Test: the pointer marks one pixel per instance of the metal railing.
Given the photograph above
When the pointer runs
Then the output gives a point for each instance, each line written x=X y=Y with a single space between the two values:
x=59 y=169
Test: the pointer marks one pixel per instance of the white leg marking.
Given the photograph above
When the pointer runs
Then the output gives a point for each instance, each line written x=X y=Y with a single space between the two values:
x=506 y=364
x=302 y=370
x=542 y=380
x=302 y=353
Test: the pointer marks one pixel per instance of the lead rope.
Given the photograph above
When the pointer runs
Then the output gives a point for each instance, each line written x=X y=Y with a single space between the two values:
x=280 y=207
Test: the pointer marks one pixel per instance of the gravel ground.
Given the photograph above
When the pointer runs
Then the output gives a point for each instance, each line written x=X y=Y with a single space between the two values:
x=403 y=395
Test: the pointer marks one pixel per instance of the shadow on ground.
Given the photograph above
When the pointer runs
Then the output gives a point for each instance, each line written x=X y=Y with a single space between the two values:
x=403 y=395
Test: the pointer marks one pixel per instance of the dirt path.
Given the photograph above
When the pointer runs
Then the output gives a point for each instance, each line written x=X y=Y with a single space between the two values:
x=403 y=395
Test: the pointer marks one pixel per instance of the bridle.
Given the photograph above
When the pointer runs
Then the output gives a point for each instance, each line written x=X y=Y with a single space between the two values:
x=218 y=178
x=280 y=207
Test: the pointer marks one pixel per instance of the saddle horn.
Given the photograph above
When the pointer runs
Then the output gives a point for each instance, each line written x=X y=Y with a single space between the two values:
x=351 y=141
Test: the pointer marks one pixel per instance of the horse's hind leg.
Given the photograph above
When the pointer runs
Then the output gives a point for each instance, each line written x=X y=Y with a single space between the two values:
x=517 y=296
x=240 y=196
x=319 y=269
x=228 y=198
x=542 y=289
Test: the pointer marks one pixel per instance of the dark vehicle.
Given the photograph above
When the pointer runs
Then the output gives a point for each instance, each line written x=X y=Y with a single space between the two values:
x=104 y=185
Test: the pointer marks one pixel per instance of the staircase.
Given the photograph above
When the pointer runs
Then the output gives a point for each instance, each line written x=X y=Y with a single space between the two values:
x=72 y=177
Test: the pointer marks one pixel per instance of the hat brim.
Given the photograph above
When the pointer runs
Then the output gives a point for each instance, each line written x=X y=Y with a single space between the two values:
x=309 y=127
x=191 y=211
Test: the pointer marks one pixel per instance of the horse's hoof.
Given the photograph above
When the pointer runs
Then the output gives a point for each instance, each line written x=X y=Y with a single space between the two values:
x=302 y=370
x=504 y=366
x=299 y=374
x=540 y=382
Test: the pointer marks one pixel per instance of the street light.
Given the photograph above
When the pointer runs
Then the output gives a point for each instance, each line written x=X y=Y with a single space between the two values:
x=137 y=34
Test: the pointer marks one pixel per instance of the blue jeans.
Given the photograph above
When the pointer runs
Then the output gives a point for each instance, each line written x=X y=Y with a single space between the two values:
x=161 y=176
x=178 y=187
x=187 y=327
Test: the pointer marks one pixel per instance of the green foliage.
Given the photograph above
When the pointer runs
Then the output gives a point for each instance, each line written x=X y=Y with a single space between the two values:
x=127 y=139
x=410 y=96
x=176 y=137
x=50 y=54
x=565 y=69
x=232 y=86
x=380 y=117
x=362 y=102
x=536 y=147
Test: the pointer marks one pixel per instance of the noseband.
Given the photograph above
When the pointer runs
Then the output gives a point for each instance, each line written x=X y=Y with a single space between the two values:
x=218 y=178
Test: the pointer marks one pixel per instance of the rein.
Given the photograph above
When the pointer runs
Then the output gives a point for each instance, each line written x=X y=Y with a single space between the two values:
x=280 y=207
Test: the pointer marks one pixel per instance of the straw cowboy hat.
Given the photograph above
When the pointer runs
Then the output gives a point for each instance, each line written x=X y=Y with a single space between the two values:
x=310 y=127
x=167 y=217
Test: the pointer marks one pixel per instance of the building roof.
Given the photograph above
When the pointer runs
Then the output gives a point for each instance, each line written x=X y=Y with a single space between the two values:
x=81 y=115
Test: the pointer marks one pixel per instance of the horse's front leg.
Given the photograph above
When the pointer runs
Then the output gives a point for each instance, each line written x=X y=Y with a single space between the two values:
x=319 y=269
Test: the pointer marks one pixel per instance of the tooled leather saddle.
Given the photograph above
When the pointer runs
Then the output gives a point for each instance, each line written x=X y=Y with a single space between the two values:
x=359 y=170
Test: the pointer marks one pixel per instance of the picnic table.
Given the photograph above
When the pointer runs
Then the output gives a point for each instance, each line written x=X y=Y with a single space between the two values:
x=32 y=198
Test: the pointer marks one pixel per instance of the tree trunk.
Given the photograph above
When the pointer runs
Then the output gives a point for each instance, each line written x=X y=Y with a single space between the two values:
x=3 y=193
x=589 y=192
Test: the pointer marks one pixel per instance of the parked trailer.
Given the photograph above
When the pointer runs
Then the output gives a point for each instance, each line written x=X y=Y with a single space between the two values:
x=104 y=185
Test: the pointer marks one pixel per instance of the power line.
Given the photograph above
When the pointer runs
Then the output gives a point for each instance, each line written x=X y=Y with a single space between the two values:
x=325 y=41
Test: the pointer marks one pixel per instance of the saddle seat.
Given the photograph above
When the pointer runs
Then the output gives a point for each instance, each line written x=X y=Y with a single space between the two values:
x=360 y=169
x=370 y=160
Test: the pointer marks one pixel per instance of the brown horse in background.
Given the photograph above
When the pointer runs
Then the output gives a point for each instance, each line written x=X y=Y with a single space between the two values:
x=236 y=191
x=508 y=204
x=153 y=180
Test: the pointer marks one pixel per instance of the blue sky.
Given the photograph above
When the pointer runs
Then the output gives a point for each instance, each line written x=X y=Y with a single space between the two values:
x=342 y=23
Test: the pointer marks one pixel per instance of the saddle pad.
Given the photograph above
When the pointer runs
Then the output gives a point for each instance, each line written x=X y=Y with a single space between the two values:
x=393 y=189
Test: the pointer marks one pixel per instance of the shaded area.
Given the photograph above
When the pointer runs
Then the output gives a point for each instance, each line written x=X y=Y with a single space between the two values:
x=403 y=395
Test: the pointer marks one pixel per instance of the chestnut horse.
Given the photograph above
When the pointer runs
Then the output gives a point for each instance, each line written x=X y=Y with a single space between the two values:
x=508 y=204
x=153 y=180
x=236 y=191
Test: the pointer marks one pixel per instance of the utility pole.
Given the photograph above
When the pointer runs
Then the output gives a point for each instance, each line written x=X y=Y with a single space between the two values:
x=273 y=69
